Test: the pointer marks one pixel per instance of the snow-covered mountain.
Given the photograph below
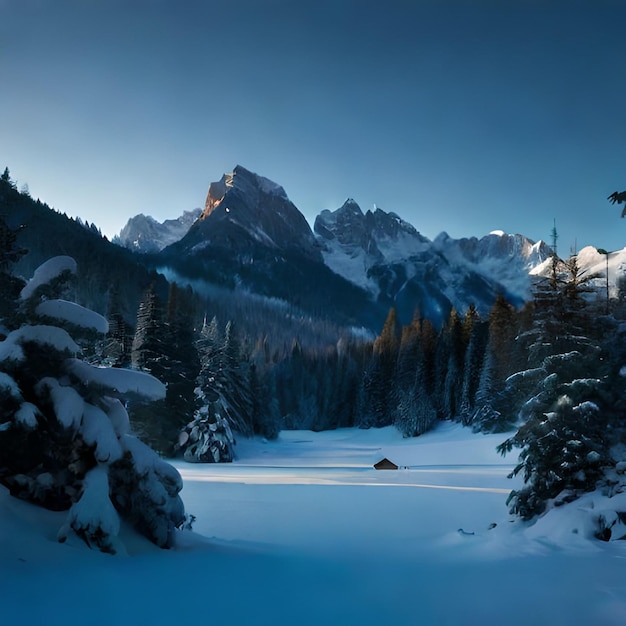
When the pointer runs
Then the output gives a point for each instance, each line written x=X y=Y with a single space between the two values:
x=354 y=266
x=354 y=242
x=600 y=265
x=244 y=212
x=142 y=233
x=389 y=258
x=251 y=236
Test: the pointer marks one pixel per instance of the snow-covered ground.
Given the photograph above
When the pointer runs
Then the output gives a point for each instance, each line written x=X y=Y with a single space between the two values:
x=304 y=531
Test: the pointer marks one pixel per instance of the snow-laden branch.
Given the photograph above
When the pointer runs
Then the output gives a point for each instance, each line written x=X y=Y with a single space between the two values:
x=47 y=272
x=11 y=347
x=74 y=314
x=118 y=380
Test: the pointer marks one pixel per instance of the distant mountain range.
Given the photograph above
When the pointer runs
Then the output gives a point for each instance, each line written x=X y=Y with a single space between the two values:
x=144 y=234
x=250 y=245
x=353 y=267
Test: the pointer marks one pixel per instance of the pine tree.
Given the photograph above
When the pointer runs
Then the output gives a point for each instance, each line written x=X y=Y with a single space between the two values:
x=183 y=362
x=414 y=409
x=476 y=332
x=6 y=180
x=147 y=348
x=264 y=403
x=119 y=340
x=450 y=365
x=563 y=436
x=380 y=378
x=495 y=369
x=148 y=354
x=224 y=398
x=65 y=441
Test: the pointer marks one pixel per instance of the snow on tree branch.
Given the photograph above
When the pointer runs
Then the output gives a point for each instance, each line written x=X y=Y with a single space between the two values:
x=118 y=380
x=57 y=338
x=46 y=272
x=74 y=314
x=94 y=518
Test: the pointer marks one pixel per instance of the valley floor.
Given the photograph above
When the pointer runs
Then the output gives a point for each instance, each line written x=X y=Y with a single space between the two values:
x=304 y=531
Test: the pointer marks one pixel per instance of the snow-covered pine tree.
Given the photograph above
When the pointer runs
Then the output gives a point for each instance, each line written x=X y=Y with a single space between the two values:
x=224 y=398
x=65 y=439
x=563 y=438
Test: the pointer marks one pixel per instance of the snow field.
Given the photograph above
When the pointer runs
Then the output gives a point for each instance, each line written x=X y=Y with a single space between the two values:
x=303 y=531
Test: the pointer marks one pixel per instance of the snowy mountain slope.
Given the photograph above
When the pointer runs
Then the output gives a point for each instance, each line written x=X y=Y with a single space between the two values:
x=143 y=233
x=594 y=262
x=251 y=235
x=388 y=257
x=354 y=242
x=507 y=259
x=244 y=213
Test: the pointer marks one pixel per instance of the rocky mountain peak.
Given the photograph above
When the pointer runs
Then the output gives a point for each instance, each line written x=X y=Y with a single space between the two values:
x=347 y=223
x=390 y=225
x=217 y=191
x=142 y=233
x=246 y=184
x=247 y=216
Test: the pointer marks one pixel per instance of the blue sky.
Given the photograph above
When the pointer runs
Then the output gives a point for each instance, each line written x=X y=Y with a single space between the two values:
x=460 y=116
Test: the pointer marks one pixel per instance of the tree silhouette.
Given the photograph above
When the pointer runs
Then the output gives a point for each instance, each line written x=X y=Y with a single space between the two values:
x=618 y=197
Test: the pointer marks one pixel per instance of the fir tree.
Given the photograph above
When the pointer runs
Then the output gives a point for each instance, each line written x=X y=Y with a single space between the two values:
x=65 y=441
x=380 y=379
x=563 y=436
x=118 y=347
x=450 y=356
x=496 y=367
x=476 y=332
x=224 y=398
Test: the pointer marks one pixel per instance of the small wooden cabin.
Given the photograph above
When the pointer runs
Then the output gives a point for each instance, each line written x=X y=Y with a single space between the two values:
x=385 y=464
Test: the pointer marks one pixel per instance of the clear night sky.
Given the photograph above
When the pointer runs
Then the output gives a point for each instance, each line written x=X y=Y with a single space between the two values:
x=463 y=116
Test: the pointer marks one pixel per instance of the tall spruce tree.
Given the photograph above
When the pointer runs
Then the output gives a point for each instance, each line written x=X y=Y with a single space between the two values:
x=164 y=345
x=450 y=356
x=415 y=412
x=380 y=378
x=223 y=380
x=497 y=363
x=475 y=334
x=562 y=441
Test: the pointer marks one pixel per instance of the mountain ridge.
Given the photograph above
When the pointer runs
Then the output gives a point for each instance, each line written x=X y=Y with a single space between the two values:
x=251 y=235
x=142 y=233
